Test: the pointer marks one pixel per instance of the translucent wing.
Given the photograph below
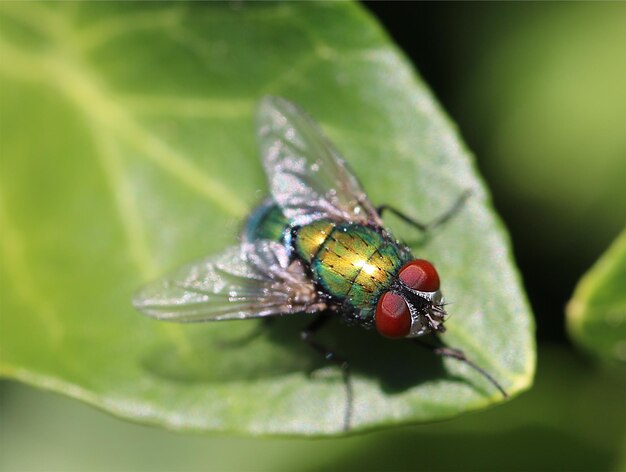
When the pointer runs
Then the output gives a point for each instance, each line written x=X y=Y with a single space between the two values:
x=308 y=177
x=247 y=281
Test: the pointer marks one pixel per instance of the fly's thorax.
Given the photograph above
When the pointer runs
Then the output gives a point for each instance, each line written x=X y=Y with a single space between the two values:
x=312 y=238
x=352 y=263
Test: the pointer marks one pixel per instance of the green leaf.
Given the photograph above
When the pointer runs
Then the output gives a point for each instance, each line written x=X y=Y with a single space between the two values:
x=128 y=149
x=596 y=314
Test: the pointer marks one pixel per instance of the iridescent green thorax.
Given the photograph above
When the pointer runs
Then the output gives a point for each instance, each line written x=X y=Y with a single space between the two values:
x=353 y=263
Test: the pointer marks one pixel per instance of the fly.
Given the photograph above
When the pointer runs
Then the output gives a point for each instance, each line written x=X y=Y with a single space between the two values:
x=316 y=246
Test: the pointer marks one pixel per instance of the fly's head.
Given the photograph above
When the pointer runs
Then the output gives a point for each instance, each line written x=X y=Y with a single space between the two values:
x=413 y=305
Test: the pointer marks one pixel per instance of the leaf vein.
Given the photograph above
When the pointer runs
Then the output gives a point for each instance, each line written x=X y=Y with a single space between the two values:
x=27 y=289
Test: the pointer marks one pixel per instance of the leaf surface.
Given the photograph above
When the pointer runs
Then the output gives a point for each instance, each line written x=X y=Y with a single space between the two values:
x=128 y=149
x=596 y=314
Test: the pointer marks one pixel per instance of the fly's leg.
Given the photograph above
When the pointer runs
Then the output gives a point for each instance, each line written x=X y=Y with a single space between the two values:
x=442 y=350
x=307 y=336
x=425 y=227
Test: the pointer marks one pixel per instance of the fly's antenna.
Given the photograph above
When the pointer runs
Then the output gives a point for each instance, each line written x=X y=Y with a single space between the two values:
x=445 y=351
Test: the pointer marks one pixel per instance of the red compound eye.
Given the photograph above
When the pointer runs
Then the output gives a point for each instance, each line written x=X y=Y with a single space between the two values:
x=420 y=275
x=393 y=319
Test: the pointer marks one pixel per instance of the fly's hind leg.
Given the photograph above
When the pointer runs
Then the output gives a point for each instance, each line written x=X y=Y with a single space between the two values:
x=425 y=227
x=307 y=336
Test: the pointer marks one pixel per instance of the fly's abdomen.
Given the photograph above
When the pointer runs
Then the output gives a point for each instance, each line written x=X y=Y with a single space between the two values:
x=351 y=262
x=267 y=221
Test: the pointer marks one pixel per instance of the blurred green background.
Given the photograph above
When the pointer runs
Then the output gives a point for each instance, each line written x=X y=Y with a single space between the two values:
x=537 y=91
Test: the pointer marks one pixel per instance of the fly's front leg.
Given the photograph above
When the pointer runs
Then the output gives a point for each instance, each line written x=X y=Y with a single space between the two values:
x=307 y=336
x=424 y=227
x=442 y=350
